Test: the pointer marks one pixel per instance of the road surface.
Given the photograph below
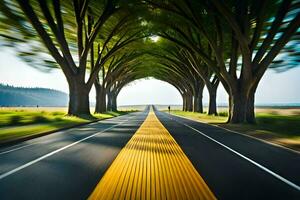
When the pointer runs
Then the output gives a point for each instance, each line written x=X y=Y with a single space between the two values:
x=74 y=164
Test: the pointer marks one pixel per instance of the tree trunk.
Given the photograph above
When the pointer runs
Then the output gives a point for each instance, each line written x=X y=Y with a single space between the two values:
x=184 y=107
x=239 y=107
x=250 y=112
x=109 y=101
x=229 y=108
x=100 y=99
x=114 y=106
x=242 y=104
x=189 y=103
x=78 y=98
x=212 y=106
x=198 y=104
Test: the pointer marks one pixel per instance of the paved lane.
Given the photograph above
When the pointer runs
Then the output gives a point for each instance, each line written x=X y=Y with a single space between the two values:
x=64 y=165
x=228 y=173
x=152 y=166
x=69 y=164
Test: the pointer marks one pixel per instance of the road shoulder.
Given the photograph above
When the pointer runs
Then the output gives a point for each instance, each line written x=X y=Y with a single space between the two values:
x=268 y=138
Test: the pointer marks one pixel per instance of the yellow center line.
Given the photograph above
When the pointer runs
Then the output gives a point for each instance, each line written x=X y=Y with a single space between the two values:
x=152 y=166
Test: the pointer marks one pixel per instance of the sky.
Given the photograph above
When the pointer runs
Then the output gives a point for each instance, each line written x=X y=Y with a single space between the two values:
x=274 y=88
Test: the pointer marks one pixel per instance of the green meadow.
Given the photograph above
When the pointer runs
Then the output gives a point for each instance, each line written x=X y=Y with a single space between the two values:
x=17 y=123
x=280 y=126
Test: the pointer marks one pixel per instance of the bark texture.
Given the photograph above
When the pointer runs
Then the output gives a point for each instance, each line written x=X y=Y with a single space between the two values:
x=78 y=99
x=100 y=99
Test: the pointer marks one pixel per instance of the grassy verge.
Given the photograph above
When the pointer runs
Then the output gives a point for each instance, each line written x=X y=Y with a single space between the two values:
x=19 y=123
x=201 y=117
x=271 y=127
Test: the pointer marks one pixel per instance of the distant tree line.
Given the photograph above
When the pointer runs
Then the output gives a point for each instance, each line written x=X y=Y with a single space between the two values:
x=22 y=96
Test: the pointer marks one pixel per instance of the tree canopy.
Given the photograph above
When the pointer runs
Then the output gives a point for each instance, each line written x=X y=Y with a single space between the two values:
x=187 y=43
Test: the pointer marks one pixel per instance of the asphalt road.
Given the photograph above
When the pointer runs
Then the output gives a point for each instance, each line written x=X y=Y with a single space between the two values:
x=235 y=166
x=69 y=164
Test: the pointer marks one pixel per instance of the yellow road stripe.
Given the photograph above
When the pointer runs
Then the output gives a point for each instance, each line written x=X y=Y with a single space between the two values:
x=152 y=166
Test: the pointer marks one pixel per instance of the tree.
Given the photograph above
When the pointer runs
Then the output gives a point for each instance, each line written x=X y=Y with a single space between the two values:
x=117 y=85
x=54 y=23
x=209 y=39
x=248 y=33
x=171 y=60
x=202 y=75
x=257 y=53
x=190 y=49
x=112 y=69
x=175 y=74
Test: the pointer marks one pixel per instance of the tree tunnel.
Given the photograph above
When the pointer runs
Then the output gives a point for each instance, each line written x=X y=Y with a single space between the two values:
x=186 y=43
x=149 y=91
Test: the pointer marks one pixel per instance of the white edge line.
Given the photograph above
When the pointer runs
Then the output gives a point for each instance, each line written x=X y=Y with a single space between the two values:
x=2 y=176
x=252 y=137
x=17 y=148
x=70 y=129
x=295 y=186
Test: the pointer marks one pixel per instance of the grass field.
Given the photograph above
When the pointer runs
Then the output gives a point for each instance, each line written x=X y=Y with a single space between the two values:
x=281 y=126
x=23 y=122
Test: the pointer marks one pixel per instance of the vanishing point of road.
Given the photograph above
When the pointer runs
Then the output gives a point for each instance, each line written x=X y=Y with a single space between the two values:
x=148 y=155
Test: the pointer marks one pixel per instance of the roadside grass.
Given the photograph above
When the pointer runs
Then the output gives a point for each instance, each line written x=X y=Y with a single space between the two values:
x=201 y=116
x=288 y=126
x=271 y=126
x=18 y=123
